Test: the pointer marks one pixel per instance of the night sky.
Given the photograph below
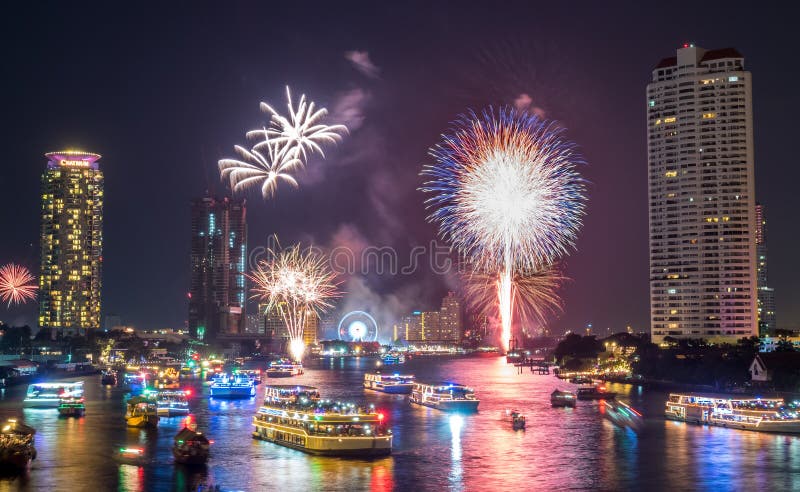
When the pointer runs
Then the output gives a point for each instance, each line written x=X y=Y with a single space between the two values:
x=164 y=90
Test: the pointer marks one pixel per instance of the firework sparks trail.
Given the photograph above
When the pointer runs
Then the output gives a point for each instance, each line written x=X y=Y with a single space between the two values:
x=302 y=131
x=16 y=284
x=507 y=195
x=297 y=283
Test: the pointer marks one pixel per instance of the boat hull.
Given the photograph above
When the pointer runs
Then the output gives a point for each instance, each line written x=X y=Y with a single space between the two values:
x=190 y=459
x=142 y=422
x=41 y=403
x=773 y=427
x=232 y=393
x=463 y=406
x=364 y=447
x=393 y=389
x=172 y=412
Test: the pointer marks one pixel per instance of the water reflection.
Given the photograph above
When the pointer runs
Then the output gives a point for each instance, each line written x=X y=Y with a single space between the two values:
x=456 y=472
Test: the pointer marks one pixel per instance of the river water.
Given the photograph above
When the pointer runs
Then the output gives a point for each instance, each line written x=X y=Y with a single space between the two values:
x=561 y=449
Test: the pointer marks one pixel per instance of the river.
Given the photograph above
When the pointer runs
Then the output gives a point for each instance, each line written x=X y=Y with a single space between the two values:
x=561 y=448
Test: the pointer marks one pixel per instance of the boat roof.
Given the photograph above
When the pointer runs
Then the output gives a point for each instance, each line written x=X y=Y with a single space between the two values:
x=723 y=396
x=291 y=387
x=187 y=434
x=444 y=384
x=57 y=385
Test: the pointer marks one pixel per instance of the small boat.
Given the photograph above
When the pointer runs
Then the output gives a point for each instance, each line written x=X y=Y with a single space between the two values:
x=581 y=380
x=238 y=386
x=170 y=403
x=72 y=407
x=135 y=381
x=389 y=383
x=254 y=374
x=142 y=412
x=560 y=398
x=16 y=446
x=189 y=446
x=445 y=396
x=131 y=456
x=108 y=378
x=516 y=419
x=622 y=414
x=595 y=393
x=393 y=358
x=284 y=369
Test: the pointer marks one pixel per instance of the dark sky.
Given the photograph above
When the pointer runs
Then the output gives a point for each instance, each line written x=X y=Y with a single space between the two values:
x=164 y=90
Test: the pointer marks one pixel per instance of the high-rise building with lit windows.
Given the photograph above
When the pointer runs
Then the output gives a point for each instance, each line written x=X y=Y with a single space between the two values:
x=701 y=197
x=218 y=261
x=767 y=322
x=71 y=243
x=450 y=319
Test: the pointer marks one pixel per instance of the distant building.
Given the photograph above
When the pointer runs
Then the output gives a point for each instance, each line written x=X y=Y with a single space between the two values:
x=274 y=326
x=218 y=257
x=412 y=326
x=701 y=197
x=254 y=324
x=311 y=329
x=450 y=329
x=766 y=365
x=429 y=325
x=71 y=243
x=766 y=295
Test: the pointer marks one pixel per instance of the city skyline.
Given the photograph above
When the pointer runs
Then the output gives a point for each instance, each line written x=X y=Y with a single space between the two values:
x=615 y=228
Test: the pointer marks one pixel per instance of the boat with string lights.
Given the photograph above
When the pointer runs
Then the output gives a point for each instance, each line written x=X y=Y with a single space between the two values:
x=49 y=395
x=236 y=386
x=395 y=384
x=171 y=403
x=284 y=369
x=449 y=397
x=296 y=417
x=754 y=414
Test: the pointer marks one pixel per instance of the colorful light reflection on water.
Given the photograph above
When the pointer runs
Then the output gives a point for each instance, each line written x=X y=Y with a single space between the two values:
x=561 y=448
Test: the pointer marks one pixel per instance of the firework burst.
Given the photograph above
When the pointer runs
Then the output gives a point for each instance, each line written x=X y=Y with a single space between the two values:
x=265 y=166
x=296 y=283
x=16 y=284
x=507 y=195
x=302 y=130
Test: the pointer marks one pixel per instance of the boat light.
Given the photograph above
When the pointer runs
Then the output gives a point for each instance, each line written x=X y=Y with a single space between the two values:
x=380 y=416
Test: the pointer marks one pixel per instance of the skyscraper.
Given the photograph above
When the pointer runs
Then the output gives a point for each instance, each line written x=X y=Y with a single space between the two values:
x=766 y=294
x=218 y=256
x=71 y=243
x=701 y=196
x=450 y=319
x=311 y=329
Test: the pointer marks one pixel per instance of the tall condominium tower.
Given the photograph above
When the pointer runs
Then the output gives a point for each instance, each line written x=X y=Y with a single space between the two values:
x=766 y=294
x=450 y=319
x=218 y=257
x=71 y=243
x=701 y=197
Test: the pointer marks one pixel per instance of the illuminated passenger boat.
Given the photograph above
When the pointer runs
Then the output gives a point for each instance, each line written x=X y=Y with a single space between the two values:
x=295 y=417
x=49 y=395
x=393 y=358
x=171 y=403
x=450 y=397
x=16 y=446
x=389 y=383
x=72 y=407
x=284 y=369
x=560 y=398
x=756 y=414
x=237 y=386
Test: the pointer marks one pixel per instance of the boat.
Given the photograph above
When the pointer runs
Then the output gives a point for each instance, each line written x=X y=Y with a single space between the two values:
x=72 y=407
x=170 y=403
x=622 y=414
x=594 y=393
x=254 y=374
x=295 y=417
x=237 y=386
x=737 y=412
x=190 y=447
x=168 y=379
x=516 y=419
x=450 y=397
x=131 y=456
x=514 y=357
x=108 y=378
x=49 y=395
x=393 y=358
x=16 y=446
x=581 y=380
x=142 y=412
x=135 y=381
x=284 y=369
x=389 y=383
x=560 y=398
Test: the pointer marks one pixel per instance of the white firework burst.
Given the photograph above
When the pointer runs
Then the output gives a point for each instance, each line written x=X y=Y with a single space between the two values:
x=302 y=130
x=264 y=166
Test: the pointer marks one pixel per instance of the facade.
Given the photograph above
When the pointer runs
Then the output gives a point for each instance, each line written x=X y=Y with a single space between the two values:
x=411 y=327
x=71 y=243
x=701 y=197
x=429 y=325
x=766 y=295
x=274 y=326
x=218 y=256
x=311 y=329
x=450 y=319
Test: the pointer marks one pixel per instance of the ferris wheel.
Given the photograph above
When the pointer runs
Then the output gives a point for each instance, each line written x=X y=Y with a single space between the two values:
x=358 y=326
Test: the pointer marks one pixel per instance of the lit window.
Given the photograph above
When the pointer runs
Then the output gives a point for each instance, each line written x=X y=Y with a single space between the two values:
x=671 y=119
x=733 y=78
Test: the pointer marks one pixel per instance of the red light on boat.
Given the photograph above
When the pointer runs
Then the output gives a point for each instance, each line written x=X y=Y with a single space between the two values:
x=380 y=416
x=187 y=392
